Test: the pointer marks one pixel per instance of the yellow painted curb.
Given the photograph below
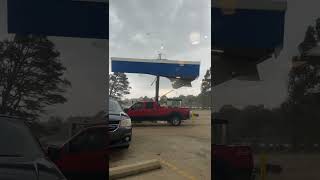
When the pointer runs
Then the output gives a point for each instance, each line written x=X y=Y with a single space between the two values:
x=180 y=172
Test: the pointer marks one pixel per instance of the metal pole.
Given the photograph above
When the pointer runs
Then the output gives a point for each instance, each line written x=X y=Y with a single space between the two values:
x=157 y=84
x=157 y=89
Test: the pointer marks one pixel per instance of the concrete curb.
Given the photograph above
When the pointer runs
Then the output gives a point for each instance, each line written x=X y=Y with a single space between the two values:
x=133 y=169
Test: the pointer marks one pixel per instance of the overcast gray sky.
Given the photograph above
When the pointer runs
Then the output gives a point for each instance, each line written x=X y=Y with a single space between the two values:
x=138 y=28
x=271 y=91
x=86 y=62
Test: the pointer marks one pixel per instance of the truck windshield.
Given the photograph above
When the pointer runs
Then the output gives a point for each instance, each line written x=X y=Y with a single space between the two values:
x=114 y=107
x=16 y=140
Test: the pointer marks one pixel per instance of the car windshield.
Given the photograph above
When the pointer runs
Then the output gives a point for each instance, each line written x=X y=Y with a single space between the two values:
x=16 y=140
x=114 y=107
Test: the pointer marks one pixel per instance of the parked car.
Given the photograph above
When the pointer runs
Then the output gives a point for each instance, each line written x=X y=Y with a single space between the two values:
x=21 y=155
x=120 y=129
x=152 y=111
x=84 y=155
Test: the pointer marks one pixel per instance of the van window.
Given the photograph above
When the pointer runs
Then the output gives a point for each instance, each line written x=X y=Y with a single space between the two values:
x=16 y=139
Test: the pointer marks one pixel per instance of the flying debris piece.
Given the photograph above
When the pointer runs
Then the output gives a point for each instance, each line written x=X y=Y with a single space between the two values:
x=178 y=83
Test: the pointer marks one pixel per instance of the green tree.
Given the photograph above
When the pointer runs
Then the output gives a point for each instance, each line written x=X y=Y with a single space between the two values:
x=163 y=100
x=318 y=28
x=305 y=77
x=205 y=95
x=310 y=40
x=303 y=89
x=31 y=76
x=206 y=82
x=118 y=85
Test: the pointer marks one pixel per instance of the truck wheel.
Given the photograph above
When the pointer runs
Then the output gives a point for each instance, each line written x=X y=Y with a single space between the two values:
x=175 y=121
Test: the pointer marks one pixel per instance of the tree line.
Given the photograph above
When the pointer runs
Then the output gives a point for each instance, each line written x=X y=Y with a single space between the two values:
x=296 y=120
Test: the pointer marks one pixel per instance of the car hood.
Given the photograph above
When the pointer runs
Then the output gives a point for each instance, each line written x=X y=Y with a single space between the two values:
x=21 y=168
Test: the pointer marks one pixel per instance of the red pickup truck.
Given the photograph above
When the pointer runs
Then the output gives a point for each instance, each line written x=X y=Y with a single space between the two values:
x=152 y=111
x=231 y=162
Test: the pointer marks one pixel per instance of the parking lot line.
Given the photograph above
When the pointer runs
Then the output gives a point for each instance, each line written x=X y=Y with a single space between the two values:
x=180 y=172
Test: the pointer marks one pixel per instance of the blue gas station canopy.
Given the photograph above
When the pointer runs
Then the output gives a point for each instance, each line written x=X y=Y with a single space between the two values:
x=254 y=24
x=184 y=70
x=68 y=18
x=244 y=34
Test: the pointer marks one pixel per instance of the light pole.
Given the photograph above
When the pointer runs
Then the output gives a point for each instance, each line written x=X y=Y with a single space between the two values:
x=157 y=84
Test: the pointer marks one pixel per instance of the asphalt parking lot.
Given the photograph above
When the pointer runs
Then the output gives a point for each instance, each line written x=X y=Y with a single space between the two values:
x=185 y=151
